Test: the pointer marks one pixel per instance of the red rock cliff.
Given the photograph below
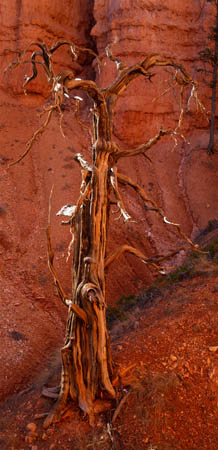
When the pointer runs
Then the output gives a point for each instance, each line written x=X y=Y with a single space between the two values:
x=182 y=180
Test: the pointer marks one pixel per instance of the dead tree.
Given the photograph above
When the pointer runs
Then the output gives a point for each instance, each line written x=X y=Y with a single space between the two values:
x=87 y=370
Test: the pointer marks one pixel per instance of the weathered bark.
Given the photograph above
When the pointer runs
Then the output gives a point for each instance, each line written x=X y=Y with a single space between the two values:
x=87 y=364
x=87 y=370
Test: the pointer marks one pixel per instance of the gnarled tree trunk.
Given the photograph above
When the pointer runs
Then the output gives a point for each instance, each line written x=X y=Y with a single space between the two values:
x=87 y=364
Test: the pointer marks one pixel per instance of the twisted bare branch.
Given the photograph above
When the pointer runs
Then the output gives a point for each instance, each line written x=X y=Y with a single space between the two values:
x=75 y=308
x=76 y=115
x=34 y=136
x=57 y=282
x=103 y=98
x=142 y=149
x=152 y=261
x=75 y=49
x=46 y=54
x=119 y=64
x=126 y=75
x=83 y=163
x=124 y=179
x=114 y=183
x=127 y=248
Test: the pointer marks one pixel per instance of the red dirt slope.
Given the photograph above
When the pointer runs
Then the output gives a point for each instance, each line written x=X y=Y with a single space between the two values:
x=169 y=395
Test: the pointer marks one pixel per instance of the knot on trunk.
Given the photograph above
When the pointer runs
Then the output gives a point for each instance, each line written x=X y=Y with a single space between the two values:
x=93 y=294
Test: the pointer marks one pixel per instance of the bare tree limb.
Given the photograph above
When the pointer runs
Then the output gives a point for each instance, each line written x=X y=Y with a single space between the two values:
x=119 y=64
x=83 y=163
x=33 y=138
x=144 y=147
x=75 y=49
x=83 y=196
x=114 y=183
x=65 y=80
x=45 y=59
x=152 y=261
x=75 y=308
x=58 y=90
x=127 y=181
x=127 y=248
x=128 y=74
x=46 y=54
x=57 y=282
x=120 y=406
x=76 y=115
x=88 y=86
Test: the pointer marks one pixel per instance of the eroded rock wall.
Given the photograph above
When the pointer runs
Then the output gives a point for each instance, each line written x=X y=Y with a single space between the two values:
x=183 y=180
x=32 y=322
x=22 y=22
x=177 y=30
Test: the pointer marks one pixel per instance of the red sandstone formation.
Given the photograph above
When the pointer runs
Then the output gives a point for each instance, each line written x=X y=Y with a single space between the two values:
x=182 y=180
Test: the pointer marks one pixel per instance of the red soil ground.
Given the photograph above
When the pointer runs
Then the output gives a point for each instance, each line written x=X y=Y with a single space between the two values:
x=168 y=398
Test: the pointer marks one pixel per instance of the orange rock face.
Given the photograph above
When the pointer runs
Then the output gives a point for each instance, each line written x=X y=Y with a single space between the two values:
x=182 y=179
x=22 y=22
